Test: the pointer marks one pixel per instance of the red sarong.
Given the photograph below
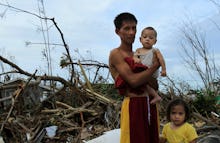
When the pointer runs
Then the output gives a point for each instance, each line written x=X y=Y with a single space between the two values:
x=122 y=85
x=135 y=126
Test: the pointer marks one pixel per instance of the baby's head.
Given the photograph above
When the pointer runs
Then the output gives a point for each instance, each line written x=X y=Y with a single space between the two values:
x=148 y=37
x=151 y=29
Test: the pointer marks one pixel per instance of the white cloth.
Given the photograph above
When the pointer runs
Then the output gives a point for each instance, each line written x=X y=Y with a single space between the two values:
x=112 y=136
x=147 y=59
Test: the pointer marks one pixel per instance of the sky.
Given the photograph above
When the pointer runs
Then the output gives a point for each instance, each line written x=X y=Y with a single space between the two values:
x=88 y=30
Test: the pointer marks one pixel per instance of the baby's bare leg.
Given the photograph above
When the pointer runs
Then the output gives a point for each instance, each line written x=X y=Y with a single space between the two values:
x=152 y=92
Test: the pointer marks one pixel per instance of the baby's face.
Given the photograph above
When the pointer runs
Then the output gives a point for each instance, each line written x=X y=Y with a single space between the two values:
x=148 y=38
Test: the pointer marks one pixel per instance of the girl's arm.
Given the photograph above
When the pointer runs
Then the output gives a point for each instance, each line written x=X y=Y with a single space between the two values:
x=162 y=140
x=193 y=141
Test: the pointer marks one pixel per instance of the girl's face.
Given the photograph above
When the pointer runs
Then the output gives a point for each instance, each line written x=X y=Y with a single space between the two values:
x=177 y=115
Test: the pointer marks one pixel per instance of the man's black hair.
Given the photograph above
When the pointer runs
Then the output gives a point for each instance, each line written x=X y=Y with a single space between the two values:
x=125 y=16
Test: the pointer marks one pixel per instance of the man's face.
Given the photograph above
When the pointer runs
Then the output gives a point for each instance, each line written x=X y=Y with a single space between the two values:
x=127 y=32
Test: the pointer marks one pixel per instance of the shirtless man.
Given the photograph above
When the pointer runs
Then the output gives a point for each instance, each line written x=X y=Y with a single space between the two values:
x=139 y=121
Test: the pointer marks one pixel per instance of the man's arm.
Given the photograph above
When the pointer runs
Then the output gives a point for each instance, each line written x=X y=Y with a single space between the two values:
x=133 y=79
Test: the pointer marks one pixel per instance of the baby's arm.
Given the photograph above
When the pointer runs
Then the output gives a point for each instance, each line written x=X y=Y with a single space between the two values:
x=162 y=62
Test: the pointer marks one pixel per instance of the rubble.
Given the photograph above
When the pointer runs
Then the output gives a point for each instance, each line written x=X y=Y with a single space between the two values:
x=73 y=115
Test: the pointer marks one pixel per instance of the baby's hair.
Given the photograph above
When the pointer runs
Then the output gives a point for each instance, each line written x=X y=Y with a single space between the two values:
x=176 y=102
x=149 y=28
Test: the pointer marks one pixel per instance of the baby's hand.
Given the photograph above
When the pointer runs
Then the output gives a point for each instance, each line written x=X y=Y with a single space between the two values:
x=136 y=60
x=163 y=73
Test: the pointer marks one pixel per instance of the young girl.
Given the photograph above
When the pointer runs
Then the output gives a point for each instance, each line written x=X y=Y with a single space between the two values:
x=178 y=130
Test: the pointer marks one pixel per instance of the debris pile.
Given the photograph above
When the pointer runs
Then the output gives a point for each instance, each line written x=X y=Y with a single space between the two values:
x=71 y=115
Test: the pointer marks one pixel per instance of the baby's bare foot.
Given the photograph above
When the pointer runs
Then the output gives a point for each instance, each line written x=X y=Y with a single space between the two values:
x=155 y=100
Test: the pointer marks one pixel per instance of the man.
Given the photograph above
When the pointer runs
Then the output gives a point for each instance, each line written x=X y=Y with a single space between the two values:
x=139 y=122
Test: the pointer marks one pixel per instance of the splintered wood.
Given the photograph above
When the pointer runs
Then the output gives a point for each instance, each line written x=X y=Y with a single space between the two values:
x=77 y=115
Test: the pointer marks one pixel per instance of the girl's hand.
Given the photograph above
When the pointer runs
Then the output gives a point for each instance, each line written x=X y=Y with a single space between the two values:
x=162 y=140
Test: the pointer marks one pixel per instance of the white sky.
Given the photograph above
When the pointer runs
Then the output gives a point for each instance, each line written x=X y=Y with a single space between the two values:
x=88 y=27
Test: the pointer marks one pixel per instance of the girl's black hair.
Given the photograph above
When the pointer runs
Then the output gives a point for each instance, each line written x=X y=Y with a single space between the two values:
x=176 y=102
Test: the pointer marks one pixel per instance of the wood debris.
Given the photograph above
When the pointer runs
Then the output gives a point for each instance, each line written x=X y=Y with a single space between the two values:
x=79 y=114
